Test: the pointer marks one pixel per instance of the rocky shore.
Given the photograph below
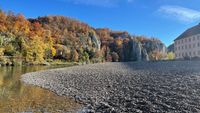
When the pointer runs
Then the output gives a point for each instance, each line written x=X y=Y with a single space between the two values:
x=134 y=87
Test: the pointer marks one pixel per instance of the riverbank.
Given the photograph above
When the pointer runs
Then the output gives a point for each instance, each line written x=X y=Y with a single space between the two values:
x=127 y=87
x=18 y=61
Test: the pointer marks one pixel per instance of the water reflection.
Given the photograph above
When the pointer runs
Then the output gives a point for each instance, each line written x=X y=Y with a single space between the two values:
x=17 y=97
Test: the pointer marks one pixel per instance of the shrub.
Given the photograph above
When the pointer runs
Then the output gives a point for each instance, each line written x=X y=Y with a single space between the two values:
x=170 y=56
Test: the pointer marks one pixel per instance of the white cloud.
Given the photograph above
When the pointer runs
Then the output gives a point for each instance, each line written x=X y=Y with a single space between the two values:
x=180 y=13
x=102 y=3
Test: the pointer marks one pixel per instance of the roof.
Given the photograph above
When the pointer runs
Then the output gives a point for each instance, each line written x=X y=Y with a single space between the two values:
x=190 y=32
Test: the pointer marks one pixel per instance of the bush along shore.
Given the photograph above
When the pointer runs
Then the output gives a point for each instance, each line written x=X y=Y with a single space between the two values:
x=18 y=61
x=132 y=87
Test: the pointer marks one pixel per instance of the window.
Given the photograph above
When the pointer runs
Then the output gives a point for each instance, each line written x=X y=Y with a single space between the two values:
x=182 y=47
x=194 y=45
x=198 y=52
x=198 y=44
x=189 y=39
x=185 y=46
x=182 y=41
x=186 y=40
x=189 y=46
x=190 y=53
x=194 y=38
x=194 y=53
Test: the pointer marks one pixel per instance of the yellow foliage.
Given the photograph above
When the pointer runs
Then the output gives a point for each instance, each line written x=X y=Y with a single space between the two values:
x=35 y=50
x=2 y=51
x=53 y=51
x=119 y=42
x=170 y=56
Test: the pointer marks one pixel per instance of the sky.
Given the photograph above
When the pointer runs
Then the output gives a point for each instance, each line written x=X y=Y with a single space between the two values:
x=163 y=19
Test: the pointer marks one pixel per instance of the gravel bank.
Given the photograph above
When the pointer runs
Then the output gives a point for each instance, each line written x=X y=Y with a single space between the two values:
x=140 y=87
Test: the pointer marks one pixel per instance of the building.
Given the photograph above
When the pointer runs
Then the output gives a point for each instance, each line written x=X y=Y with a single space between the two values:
x=187 y=45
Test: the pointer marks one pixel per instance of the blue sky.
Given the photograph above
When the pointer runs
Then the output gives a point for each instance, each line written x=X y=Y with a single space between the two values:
x=164 y=19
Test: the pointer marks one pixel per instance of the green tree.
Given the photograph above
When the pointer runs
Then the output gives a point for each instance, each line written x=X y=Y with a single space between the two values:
x=85 y=57
x=9 y=50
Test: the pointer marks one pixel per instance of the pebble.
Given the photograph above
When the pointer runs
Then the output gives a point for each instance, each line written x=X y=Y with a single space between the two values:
x=139 y=87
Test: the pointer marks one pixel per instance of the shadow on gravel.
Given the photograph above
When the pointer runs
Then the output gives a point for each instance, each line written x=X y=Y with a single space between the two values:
x=171 y=86
x=167 y=66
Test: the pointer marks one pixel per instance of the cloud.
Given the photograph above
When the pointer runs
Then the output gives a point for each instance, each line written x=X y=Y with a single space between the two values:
x=180 y=13
x=102 y=3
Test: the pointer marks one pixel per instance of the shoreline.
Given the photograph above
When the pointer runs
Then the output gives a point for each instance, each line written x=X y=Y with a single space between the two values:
x=164 y=86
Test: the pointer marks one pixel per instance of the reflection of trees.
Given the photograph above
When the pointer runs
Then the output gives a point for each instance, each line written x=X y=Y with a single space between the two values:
x=1 y=80
x=15 y=97
x=36 y=99
x=9 y=78
x=9 y=81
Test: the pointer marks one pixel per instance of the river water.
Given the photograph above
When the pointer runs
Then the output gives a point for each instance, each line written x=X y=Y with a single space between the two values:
x=18 y=97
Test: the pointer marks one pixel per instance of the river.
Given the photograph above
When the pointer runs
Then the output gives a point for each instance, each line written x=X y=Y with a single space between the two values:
x=18 y=97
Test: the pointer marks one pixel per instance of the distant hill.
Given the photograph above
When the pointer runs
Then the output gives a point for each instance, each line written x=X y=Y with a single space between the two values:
x=50 y=38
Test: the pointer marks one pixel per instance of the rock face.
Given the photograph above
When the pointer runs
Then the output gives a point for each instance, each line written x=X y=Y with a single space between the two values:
x=155 y=46
x=95 y=40
x=136 y=52
x=145 y=56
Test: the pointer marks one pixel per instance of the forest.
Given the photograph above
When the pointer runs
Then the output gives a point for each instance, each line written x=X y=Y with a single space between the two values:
x=59 y=39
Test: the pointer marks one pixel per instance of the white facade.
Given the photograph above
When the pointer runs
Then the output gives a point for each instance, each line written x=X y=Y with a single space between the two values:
x=187 y=47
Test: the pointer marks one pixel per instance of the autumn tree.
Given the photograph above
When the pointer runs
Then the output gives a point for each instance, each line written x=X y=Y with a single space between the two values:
x=50 y=51
x=2 y=51
x=155 y=55
x=9 y=50
x=75 y=56
x=34 y=50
